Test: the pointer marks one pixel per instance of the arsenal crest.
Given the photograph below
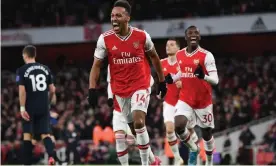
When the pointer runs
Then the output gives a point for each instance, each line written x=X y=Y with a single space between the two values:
x=196 y=61
x=136 y=44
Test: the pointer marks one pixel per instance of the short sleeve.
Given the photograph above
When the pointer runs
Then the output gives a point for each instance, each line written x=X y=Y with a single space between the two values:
x=19 y=77
x=210 y=63
x=149 y=44
x=108 y=74
x=100 y=51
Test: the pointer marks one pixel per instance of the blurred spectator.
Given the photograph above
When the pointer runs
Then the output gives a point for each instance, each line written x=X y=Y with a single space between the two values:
x=72 y=139
x=226 y=157
x=246 y=136
x=13 y=153
x=269 y=139
x=226 y=160
x=227 y=144
x=245 y=151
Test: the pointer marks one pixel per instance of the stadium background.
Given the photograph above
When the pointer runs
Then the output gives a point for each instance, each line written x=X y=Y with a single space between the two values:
x=240 y=34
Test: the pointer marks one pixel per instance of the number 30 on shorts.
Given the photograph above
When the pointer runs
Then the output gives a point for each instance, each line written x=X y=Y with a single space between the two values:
x=207 y=118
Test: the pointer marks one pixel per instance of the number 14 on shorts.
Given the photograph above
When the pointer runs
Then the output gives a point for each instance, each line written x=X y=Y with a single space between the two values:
x=140 y=99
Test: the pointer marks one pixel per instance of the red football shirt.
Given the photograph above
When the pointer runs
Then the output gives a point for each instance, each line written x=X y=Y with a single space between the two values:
x=172 y=91
x=195 y=92
x=129 y=68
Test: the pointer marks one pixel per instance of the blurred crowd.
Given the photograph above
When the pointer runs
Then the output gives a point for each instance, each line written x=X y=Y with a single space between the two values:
x=247 y=91
x=41 y=13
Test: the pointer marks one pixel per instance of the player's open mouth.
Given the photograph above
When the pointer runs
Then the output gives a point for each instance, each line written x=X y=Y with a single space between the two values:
x=193 y=40
x=115 y=26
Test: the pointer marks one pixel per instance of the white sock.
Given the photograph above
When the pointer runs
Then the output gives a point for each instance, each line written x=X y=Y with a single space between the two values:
x=142 y=137
x=121 y=148
x=185 y=136
x=172 y=139
x=151 y=156
x=131 y=140
x=209 y=147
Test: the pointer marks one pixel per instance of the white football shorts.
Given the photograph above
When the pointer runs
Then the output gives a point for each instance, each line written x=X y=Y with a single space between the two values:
x=202 y=117
x=138 y=101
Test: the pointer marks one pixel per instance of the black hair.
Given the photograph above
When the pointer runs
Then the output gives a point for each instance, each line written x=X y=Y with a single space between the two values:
x=176 y=41
x=30 y=50
x=192 y=26
x=123 y=3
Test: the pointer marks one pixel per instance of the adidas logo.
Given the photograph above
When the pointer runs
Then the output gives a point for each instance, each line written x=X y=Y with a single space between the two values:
x=114 y=48
x=258 y=25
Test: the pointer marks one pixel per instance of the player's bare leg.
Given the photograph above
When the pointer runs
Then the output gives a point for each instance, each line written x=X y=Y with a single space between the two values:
x=28 y=149
x=49 y=146
x=172 y=139
x=209 y=144
x=152 y=159
x=185 y=136
x=121 y=147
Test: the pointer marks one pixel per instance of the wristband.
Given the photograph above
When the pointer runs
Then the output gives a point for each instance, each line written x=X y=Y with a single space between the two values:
x=22 y=108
